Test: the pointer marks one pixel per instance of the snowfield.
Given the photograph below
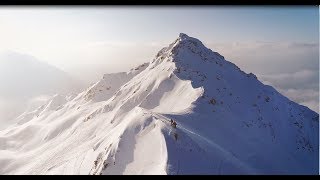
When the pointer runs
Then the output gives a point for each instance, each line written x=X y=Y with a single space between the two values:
x=228 y=122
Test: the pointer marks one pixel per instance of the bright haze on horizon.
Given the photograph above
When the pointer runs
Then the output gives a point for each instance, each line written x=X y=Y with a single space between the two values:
x=278 y=44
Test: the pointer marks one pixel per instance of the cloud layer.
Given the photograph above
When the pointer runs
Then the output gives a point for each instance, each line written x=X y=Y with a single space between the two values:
x=301 y=87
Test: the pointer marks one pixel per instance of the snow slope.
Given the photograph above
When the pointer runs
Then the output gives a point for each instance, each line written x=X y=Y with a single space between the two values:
x=228 y=123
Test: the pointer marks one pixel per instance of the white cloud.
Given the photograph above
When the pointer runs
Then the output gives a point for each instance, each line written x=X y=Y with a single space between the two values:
x=263 y=45
x=312 y=104
x=307 y=97
x=290 y=67
x=301 y=87
x=262 y=57
x=300 y=79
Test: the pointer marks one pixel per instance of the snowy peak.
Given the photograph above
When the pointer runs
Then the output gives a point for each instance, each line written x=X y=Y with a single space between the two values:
x=228 y=122
x=183 y=36
x=194 y=45
x=186 y=44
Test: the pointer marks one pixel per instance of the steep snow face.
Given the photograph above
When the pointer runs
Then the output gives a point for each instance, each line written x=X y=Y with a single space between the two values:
x=234 y=102
x=228 y=123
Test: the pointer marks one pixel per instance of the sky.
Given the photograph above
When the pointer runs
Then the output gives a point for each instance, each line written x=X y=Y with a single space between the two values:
x=280 y=44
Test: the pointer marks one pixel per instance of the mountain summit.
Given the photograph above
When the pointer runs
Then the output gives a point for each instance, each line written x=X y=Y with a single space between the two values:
x=228 y=122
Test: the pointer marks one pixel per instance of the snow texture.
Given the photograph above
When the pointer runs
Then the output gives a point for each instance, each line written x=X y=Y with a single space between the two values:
x=228 y=122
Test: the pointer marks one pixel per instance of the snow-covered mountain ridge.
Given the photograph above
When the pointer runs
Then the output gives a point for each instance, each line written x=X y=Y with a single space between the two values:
x=228 y=123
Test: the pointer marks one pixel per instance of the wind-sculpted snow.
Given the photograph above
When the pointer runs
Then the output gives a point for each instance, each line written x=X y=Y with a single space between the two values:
x=228 y=122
